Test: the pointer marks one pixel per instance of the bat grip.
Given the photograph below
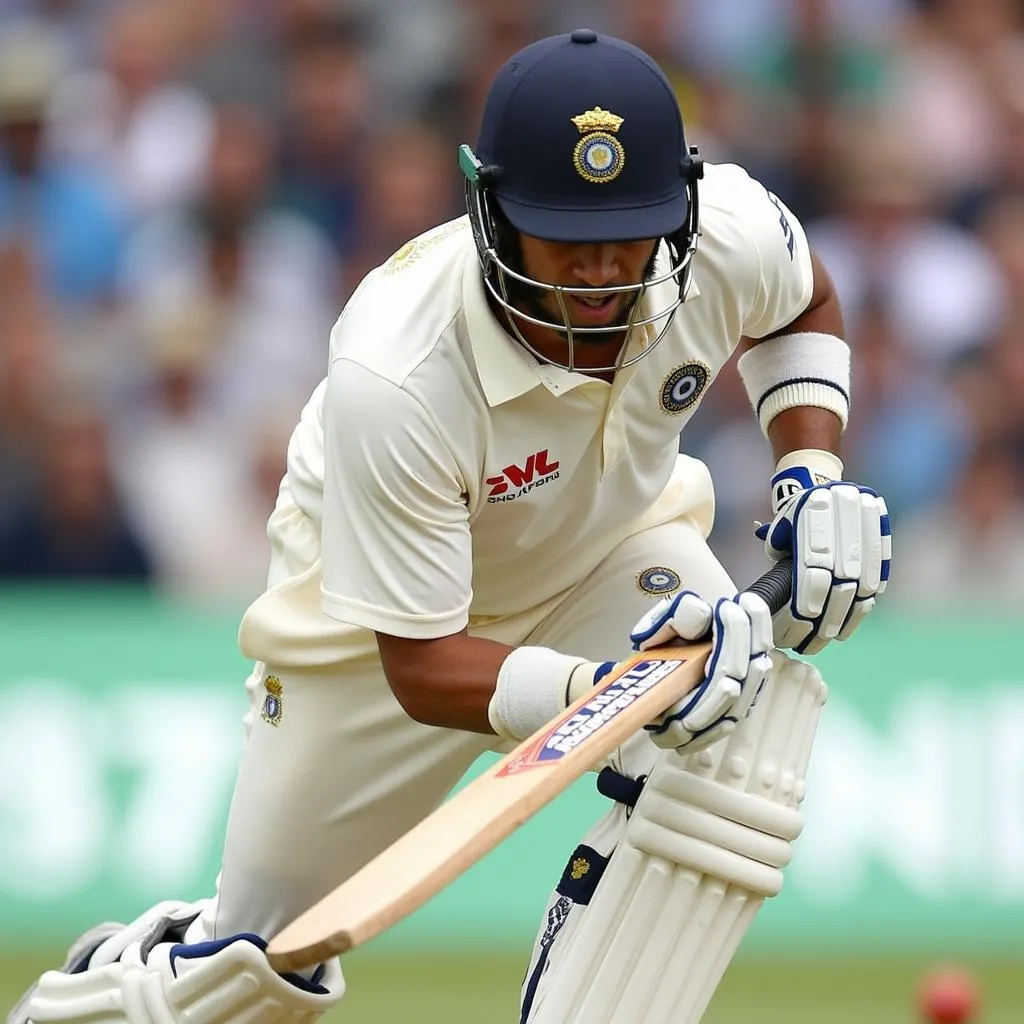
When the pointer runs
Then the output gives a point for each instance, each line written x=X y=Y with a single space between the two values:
x=776 y=585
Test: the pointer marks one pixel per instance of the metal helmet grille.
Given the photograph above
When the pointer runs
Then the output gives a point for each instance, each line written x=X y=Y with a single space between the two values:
x=497 y=275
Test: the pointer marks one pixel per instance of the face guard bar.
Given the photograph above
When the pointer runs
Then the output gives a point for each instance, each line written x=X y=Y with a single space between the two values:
x=682 y=246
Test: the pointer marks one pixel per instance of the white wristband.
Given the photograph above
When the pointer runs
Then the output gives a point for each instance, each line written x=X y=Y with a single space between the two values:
x=533 y=686
x=826 y=466
x=798 y=470
x=797 y=369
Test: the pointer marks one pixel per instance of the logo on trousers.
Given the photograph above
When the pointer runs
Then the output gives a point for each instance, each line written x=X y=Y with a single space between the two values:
x=515 y=481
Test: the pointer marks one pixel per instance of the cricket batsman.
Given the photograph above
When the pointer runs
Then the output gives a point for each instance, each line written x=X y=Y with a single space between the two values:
x=484 y=508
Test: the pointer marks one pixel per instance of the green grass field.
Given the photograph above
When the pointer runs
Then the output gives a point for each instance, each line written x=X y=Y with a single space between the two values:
x=477 y=989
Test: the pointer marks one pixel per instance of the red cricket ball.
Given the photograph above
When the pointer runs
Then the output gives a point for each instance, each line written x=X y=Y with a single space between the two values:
x=948 y=995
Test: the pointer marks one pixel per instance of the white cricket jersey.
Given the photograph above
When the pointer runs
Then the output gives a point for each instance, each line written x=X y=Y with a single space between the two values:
x=441 y=476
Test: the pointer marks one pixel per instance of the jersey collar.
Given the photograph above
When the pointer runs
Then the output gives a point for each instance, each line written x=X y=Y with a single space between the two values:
x=505 y=369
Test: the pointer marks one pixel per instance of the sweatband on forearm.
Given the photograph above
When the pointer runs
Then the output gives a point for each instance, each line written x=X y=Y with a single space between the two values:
x=534 y=685
x=797 y=370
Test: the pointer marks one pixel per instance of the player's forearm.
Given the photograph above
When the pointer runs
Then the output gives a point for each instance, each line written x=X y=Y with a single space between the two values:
x=447 y=682
x=804 y=427
x=477 y=685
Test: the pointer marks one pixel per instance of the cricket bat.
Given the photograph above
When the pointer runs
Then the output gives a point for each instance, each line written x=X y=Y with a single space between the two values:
x=470 y=824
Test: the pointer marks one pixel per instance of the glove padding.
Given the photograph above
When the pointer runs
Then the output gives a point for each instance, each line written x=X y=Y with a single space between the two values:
x=148 y=973
x=839 y=538
x=740 y=630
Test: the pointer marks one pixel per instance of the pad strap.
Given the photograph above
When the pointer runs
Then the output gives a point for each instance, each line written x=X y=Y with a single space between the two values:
x=793 y=370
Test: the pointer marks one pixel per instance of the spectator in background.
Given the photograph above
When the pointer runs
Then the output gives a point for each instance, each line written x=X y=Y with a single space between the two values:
x=801 y=81
x=972 y=205
x=26 y=357
x=731 y=36
x=812 y=57
x=72 y=527
x=66 y=217
x=270 y=275
x=1005 y=358
x=214 y=549
x=971 y=548
x=327 y=102
x=406 y=188
x=71 y=23
x=946 y=91
x=130 y=119
x=197 y=121
x=1001 y=228
x=887 y=241
x=412 y=44
x=488 y=32
x=228 y=53
x=910 y=435
x=655 y=26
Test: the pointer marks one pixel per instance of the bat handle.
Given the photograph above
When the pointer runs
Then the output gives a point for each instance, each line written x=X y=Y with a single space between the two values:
x=776 y=585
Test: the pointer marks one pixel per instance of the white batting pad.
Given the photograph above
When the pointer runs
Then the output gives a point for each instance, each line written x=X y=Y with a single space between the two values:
x=703 y=848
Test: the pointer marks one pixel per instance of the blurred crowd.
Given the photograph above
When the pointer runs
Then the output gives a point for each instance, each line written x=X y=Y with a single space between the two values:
x=190 y=189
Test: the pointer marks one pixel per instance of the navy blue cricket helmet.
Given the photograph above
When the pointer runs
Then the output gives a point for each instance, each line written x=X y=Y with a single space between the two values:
x=582 y=141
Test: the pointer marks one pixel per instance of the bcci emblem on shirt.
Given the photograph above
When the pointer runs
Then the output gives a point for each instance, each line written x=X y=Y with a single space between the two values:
x=683 y=386
x=273 y=703
x=658 y=580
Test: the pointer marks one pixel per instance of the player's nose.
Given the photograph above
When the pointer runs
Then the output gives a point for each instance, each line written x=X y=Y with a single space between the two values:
x=597 y=265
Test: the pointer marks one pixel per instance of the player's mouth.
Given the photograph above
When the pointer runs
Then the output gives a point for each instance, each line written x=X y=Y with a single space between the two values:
x=593 y=309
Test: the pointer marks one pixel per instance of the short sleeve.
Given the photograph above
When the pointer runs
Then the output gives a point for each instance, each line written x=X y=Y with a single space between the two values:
x=397 y=554
x=786 y=278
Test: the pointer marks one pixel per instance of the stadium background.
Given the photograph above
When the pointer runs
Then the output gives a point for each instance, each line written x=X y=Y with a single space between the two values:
x=188 y=192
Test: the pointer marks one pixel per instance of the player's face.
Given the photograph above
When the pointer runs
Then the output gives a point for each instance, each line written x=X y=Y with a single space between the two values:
x=587 y=265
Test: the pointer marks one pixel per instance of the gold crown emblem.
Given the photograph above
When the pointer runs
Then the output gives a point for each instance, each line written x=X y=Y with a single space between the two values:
x=273 y=703
x=580 y=867
x=598 y=120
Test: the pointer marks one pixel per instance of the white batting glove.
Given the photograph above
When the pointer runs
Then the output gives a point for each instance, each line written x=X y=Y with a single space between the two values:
x=839 y=537
x=740 y=630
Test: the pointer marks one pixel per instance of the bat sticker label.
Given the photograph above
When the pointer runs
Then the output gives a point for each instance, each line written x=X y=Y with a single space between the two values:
x=567 y=734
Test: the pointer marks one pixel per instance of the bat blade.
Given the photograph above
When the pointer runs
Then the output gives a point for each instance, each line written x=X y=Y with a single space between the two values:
x=470 y=824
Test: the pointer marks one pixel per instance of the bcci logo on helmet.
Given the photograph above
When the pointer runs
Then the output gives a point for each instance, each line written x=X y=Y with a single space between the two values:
x=598 y=156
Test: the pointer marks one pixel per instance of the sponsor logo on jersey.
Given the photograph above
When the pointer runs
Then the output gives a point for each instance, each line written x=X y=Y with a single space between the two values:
x=683 y=386
x=515 y=481
x=273 y=703
x=658 y=580
x=607 y=702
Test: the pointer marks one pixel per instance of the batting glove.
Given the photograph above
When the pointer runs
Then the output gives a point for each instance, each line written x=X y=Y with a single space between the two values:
x=740 y=630
x=839 y=537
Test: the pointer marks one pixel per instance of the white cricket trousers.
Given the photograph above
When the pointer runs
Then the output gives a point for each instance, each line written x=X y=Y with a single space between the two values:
x=344 y=771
